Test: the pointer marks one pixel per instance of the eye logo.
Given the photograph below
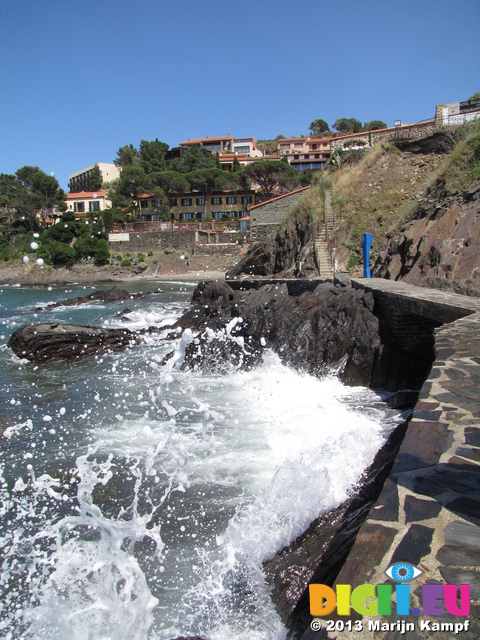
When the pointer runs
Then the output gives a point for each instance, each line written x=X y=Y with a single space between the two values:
x=403 y=572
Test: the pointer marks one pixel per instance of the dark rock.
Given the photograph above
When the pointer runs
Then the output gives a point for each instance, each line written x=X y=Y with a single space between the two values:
x=465 y=506
x=341 y=280
x=387 y=506
x=314 y=331
x=290 y=253
x=463 y=576
x=417 y=509
x=324 y=547
x=438 y=142
x=470 y=454
x=457 y=556
x=114 y=294
x=472 y=436
x=51 y=342
x=423 y=445
x=415 y=544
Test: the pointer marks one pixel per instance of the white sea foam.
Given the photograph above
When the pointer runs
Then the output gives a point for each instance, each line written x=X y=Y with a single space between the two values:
x=180 y=485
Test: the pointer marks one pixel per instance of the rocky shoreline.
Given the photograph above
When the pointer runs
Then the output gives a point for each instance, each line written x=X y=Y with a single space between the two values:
x=31 y=275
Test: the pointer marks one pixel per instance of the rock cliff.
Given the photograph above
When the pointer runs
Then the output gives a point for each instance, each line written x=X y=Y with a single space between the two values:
x=439 y=247
x=289 y=253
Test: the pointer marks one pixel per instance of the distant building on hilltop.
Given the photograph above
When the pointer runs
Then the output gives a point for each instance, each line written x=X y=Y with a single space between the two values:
x=82 y=180
x=225 y=144
x=305 y=153
x=457 y=112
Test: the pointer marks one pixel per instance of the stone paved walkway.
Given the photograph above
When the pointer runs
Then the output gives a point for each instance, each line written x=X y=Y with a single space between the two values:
x=428 y=513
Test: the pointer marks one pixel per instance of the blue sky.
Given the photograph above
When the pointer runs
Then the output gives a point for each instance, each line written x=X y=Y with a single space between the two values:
x=80 y=79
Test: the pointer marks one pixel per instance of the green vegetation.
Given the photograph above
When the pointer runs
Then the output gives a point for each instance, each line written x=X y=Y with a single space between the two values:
x=65 y=243
x=319 y=127
x=381 y=193
x=462 y=166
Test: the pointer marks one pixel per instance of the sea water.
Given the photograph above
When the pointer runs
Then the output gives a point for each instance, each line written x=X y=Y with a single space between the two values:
x=138 y=500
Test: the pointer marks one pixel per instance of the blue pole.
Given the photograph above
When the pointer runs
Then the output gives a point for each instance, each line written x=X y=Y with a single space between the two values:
x=366 y=244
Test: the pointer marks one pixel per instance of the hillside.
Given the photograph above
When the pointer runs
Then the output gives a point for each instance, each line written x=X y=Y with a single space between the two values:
x=421 y=203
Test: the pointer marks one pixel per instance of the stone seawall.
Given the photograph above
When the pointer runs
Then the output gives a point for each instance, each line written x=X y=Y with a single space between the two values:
x=428 y=513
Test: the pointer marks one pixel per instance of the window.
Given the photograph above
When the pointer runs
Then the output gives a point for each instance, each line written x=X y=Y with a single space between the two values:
x=186 y=202
x=232 y=214
x=216 y=200
x=231 y=199
x=217 y=215
x=173 y=202
x=185 y=216
x=314 y=147
x=241 y=149
x=212 y=146
x=94 y=206
x=143 y=204
x=199 y=215
x=306 y=156
x=200 y=201
x=247 y=199
x=79 y=207
x=157 y=203
x=296 y=157
x=317 y=155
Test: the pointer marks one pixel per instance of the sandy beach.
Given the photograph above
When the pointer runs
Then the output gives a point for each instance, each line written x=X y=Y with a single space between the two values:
x=33 y=275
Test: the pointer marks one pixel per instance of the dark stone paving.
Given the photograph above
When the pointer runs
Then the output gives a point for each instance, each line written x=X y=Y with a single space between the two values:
x=428 y=513
x=416 y=509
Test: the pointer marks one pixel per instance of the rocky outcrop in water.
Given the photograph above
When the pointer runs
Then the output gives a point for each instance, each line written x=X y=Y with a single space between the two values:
x=115 y=294
x=331 y=326
x=41 y=343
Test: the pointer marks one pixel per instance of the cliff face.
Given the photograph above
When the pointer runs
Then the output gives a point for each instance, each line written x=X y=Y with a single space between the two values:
x=440 y=246
x=420 y=200
x=290 y=253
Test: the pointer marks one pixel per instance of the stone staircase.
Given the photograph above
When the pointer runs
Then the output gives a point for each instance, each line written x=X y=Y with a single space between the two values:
x=325 y=267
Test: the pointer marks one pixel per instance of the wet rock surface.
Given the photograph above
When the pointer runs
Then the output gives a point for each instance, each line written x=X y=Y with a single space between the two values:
x=115 y=294
x=51 y=342
x=331 y=326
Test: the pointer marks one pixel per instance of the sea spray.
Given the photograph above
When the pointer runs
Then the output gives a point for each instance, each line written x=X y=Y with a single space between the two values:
x=153 y=495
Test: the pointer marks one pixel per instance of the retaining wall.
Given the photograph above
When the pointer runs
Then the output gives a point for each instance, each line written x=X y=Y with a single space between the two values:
x=428 y=513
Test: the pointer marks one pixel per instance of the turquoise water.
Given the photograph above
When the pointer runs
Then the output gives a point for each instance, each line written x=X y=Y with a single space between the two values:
x=139 y=500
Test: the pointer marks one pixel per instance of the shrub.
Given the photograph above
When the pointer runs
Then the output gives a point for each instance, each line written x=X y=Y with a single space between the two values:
x=126 y=263
x=62 y=254
x=150 y=254
x=141 y=257
x=352 y=261
x=170 y=250
x=102 y=253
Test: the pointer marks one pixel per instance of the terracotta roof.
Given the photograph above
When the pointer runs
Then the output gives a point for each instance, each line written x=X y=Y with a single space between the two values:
x=290 y=193
x=86 y=194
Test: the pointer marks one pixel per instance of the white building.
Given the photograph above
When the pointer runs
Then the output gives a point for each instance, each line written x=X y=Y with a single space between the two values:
x=82 y=180
x=457 y=112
